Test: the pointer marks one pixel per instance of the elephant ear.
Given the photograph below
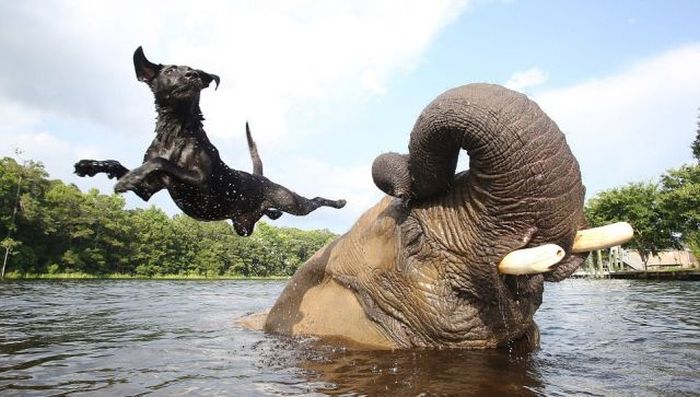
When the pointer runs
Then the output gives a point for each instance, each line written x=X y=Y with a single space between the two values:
x=372 y=239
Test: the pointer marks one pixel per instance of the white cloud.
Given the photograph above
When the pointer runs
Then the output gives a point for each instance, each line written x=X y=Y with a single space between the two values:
x=532 y=77
x=632 y=125
x=23 y=133
x=273 y=57
x=67 y=76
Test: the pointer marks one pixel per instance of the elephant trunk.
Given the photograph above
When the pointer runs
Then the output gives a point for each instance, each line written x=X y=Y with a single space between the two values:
x=520 y=167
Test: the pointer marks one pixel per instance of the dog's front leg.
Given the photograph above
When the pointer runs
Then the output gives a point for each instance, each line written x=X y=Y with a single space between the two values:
x=112 y=168
x=139 y=178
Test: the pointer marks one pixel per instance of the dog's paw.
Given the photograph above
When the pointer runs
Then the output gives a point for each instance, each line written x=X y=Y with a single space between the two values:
x=273 y=213
x=86 y=167
x=113 y=169
x=92 y=167
x=242 y=230
x=340 y=203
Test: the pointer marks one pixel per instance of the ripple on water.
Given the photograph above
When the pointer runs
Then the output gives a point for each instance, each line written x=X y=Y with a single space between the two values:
x=135 y=337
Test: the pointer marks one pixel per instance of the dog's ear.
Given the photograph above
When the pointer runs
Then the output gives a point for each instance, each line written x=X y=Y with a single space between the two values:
x=208 y=77
x=145 y=69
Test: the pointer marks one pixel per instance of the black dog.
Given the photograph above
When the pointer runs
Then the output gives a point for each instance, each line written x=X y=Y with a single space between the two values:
x=182 y=160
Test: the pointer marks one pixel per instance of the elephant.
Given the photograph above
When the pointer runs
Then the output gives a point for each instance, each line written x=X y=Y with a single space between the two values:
x=423 y=267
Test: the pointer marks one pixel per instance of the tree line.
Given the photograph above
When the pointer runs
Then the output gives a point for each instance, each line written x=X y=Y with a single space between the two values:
x=48 y=226
x=665 y=213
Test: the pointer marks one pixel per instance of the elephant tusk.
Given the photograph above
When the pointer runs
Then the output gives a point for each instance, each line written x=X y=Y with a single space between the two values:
x=534 y=260
x=602 y=237
x=540 y=259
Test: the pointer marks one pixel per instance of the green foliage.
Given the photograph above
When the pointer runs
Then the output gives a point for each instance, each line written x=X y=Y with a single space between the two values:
x=664 y=215
x=680 y=201
x=696 y=143
x=60 y=231
x=638 y=204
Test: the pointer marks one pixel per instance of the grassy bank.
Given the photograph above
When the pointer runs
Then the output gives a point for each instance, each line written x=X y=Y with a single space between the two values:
x=119 y=276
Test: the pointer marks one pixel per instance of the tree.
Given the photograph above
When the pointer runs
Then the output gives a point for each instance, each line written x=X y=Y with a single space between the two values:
x=696 y=144
x=9 y=245
x=69 y=226
x=664 y=215
x=18 y=184
x=154 y=244
x=211 y=247
x=680 y=203
x=105 y=251
x=640 y=205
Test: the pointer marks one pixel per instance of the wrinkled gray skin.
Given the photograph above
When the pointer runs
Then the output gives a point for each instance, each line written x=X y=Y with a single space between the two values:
x=424 y=268
x=522 y=175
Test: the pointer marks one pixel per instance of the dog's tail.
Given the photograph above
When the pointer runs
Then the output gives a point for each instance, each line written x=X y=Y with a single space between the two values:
x=257 y=163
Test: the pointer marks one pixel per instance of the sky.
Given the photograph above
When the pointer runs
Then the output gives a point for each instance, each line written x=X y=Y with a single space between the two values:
x=329 y=85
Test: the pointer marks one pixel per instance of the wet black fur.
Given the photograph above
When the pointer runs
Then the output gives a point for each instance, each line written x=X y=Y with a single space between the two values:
x=182 y=160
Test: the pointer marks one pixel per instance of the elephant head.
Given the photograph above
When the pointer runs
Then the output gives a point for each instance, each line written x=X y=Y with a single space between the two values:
x=421 y=268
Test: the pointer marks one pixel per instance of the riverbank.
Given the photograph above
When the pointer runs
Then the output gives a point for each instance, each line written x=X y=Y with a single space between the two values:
x=686 y=274
x=666 y=274
x=119 y=276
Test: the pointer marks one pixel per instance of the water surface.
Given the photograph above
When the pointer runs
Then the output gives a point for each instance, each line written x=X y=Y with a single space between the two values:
x=169 y=338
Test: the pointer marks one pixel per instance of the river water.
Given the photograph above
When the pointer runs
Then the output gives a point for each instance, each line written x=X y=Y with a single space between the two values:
x=171 y=338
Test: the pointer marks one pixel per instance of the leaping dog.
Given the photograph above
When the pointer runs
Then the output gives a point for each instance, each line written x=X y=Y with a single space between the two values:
x=183 y=160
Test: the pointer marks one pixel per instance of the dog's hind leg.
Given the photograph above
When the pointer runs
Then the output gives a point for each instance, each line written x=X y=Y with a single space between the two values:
x=273 y=213
x=283 y=199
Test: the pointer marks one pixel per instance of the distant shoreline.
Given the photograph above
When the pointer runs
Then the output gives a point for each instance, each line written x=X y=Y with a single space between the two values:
x=13 y=276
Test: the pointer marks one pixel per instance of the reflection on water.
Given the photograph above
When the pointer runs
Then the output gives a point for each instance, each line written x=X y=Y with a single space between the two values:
x=180 y=338
x=478 y=373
